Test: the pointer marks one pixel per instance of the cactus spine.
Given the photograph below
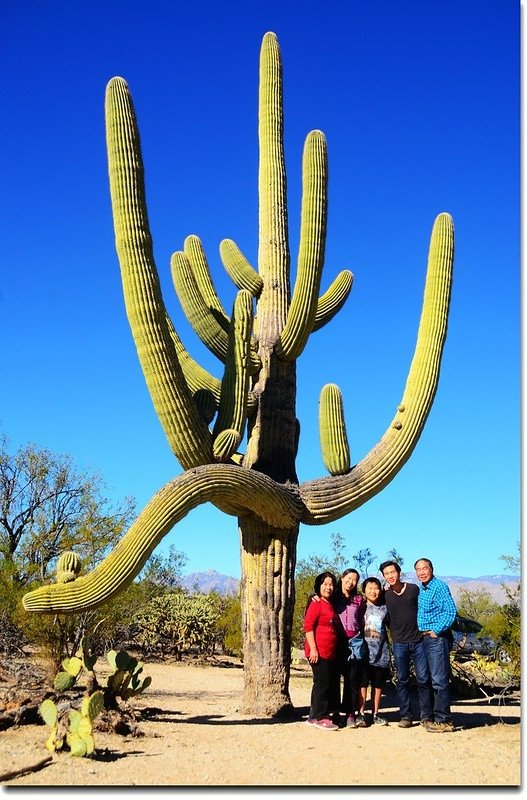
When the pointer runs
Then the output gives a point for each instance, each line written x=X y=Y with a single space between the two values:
x=258 y=390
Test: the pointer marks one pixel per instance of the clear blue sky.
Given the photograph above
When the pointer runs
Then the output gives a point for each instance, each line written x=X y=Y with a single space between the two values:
x=420 y=105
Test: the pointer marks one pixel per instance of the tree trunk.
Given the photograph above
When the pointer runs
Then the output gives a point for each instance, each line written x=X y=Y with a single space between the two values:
x=268 y=558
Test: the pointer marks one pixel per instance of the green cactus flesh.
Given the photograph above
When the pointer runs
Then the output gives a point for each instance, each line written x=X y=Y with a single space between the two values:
x=333 y=299
x=303 y=309
x=49 y=713
x=68 y=567
x=92 y=706
x=63 y=681
x=333 y=438
x=243 y=275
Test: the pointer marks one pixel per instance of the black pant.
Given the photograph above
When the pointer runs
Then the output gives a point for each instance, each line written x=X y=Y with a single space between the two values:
x=352 y=672
x=324 y=689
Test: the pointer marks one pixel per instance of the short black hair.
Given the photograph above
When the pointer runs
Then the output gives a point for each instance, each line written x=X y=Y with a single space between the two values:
x=319 y=580
x=376 y=581
x=385 y=564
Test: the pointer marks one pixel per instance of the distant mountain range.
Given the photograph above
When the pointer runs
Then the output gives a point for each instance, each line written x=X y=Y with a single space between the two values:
x=213 y=581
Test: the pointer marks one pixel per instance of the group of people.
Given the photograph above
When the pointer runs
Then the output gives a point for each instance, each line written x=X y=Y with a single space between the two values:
x=347 y=637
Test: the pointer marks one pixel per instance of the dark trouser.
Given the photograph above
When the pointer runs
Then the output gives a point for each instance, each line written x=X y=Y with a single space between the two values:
x=352 y=672
x=325 y=676
x=437 y=650
x=402 y=652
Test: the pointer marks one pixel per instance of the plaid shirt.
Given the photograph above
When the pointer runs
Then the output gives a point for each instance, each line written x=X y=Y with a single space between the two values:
x=436 y=610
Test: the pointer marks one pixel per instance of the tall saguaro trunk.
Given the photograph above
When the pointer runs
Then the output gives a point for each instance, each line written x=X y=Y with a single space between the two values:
x=268 y=558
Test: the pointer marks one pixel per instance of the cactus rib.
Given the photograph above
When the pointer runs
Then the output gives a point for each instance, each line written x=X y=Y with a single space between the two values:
x=303 y=309
x=330 y=498
x=235 y=385
x=333 y=299
x=186 y=431
x=332 y=427
x=238 y=268
x=234 y=490
x=273 y=245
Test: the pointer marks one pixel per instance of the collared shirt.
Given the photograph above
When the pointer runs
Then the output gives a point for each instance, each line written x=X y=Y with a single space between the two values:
x=436 y=610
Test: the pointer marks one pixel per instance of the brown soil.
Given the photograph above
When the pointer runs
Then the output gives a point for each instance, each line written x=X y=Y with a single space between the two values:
x=194 y=735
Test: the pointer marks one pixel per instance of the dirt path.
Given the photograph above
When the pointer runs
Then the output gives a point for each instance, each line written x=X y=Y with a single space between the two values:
x=195 y=736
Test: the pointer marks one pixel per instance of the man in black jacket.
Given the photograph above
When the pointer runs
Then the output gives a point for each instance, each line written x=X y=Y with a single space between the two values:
x=407 y=643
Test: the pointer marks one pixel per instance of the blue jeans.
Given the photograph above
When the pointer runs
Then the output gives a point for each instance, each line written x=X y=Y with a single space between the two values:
x=438 y=658
x=402 y=652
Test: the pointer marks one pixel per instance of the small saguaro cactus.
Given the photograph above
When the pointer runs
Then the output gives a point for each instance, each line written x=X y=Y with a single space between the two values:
x=236 y=435
x=69 y=566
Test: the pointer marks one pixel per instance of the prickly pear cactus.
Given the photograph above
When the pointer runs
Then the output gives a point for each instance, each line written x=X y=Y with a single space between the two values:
x=66 y=678
x=77 y=732
x=124 y=681
x=236 y=434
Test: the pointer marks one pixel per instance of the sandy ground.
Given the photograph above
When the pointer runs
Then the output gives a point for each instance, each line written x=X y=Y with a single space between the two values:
x=194 y=736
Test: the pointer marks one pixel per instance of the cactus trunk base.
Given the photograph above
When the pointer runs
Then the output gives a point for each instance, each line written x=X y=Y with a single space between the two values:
x=268 y=558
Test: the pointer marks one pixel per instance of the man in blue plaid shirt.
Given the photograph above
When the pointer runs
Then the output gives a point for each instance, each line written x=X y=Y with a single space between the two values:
x=436 y=612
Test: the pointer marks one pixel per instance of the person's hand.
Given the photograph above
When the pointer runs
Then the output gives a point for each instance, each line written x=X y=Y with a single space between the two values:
x=431 y=634
x=313 y=655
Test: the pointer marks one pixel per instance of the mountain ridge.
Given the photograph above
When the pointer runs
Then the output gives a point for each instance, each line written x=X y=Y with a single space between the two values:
x=213 y=581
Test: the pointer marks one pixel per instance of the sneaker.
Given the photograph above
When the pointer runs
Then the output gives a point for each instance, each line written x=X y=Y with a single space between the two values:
x=360 y=721
x=309 y=721
x=325 y=725
x=440 y=727
x=405 y=722
x=379 y=720
x=350 y=722
x=426 y=722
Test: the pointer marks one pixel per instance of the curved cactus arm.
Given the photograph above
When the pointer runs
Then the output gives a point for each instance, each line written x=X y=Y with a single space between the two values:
x=195 y=253
x=232 y=489
x=333 y=299
x=202 y=319
x=273 y=244
x=332 y=428
x=235 y=384
x=303 y=309
x=243 y=275
x=186 y=431
x=329 y=499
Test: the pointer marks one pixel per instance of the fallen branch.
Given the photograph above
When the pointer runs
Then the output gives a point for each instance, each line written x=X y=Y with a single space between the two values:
x=15 y=773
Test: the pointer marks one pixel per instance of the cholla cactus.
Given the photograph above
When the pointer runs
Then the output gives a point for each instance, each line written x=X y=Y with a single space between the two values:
x=258 y=345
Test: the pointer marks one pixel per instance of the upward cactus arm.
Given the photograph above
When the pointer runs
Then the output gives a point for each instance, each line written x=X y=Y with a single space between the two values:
x=185 y=429
x=230 y=424
x=233 y=489
x=273 y=248
x=302 y=313
x=331 y=498
x=333 y=299
x=196 y=255
x=201 y=317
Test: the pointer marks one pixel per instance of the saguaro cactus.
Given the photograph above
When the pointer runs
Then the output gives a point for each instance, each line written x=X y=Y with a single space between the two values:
x=257 y=391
